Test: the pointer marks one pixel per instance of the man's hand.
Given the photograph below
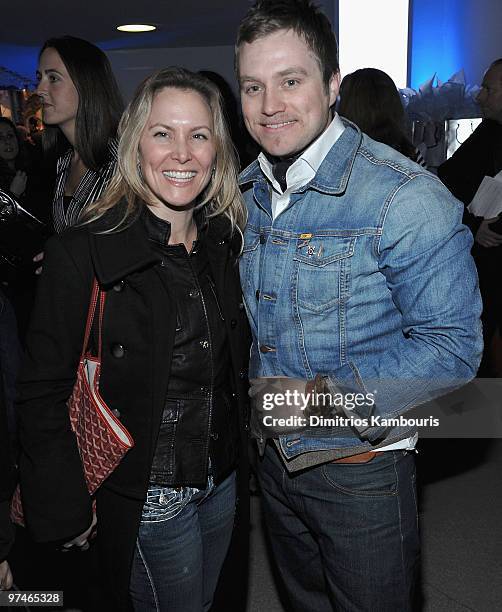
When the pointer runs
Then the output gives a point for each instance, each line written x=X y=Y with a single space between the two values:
x=82 y=541
x=486 y=237
x=6 y=579
x=277 y=406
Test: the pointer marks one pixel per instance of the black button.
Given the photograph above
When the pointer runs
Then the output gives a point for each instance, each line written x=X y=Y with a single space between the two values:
x=262 y=239
x=119 y=286
x=214 y=436
x=257 y=294
x=194 y=293
x=241 y=306
x=233 y=323
x=116 y=413
x=118 y=351
x=243 y=373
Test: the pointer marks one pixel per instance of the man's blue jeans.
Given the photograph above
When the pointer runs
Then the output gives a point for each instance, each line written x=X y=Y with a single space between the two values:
x=344 y=536
x=182 y=542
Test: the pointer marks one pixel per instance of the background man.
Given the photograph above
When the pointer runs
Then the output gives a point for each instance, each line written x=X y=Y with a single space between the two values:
x=356 y=272
x=479 y=156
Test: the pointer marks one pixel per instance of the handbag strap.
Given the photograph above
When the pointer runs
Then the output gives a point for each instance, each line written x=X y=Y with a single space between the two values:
x=93 y=326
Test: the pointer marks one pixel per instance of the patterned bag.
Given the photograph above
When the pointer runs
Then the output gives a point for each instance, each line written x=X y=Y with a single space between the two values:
x=101 y=438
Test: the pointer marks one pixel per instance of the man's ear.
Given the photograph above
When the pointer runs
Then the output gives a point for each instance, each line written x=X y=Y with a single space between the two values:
x=334 y=87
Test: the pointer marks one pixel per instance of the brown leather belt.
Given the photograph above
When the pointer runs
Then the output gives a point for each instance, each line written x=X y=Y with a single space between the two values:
x=361 y=458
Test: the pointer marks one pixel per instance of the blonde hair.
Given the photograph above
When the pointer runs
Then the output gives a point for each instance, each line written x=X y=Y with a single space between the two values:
x=222 y=195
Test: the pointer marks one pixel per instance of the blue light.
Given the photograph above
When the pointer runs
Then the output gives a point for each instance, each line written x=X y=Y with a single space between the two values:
x=438 y=40
x=23 y=60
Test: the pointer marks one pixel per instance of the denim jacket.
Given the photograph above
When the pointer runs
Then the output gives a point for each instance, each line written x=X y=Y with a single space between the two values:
x=366 y=278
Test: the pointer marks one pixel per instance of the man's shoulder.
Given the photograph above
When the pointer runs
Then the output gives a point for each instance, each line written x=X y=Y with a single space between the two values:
x=383 y=158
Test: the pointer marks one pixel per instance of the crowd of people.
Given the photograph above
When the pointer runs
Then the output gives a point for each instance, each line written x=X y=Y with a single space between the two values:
x=333 y=264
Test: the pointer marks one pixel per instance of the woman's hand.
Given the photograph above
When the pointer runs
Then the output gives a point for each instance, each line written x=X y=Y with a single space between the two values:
x=6 y=579
x=18 y=184
x=36 y=259
x=82 y=541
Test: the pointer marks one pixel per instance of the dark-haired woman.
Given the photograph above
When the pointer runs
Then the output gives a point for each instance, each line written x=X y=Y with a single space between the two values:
x=81 y=110
x=369 y=98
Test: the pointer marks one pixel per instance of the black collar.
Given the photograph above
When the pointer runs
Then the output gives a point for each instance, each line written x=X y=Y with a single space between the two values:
x=120 y=253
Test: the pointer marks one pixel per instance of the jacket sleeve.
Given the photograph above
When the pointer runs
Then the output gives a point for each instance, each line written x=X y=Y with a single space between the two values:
x=424 y=254
x=56 y=502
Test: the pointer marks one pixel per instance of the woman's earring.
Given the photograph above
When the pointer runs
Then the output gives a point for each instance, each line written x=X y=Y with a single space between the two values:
x=213 y=172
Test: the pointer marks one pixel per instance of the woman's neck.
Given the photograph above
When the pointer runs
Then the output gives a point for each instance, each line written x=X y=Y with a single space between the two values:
x=183 y=226
x=68 y=130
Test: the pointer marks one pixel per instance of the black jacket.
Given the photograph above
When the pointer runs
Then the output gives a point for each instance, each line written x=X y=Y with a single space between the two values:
x=138 y=334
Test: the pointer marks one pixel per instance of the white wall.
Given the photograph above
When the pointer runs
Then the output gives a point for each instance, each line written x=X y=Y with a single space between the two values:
x=131 y=66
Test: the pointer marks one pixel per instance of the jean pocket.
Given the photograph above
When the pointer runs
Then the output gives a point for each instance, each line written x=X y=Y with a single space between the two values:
x=164 y=503
x=376 y=478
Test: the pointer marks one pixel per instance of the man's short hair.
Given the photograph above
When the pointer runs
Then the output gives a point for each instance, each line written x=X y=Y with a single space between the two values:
x=304 y=18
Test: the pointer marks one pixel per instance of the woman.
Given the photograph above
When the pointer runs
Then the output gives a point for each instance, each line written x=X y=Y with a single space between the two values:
x=81 y=106
x=13 y=163
x=370 y=99
x=163 y=244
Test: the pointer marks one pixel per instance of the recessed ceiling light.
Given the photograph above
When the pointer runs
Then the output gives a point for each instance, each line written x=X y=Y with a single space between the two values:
x=136 y=27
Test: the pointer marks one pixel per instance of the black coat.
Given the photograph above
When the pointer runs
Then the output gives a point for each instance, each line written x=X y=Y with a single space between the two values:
x=6 y=478
x=141 y=320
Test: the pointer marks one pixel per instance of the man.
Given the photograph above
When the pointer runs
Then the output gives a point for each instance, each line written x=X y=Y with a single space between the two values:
x=357 y=280
x=479 y=156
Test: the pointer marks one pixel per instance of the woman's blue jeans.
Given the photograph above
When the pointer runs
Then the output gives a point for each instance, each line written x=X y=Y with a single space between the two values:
x=182 y=542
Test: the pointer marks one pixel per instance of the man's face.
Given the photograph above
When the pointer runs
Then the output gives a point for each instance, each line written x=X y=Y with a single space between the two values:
x=284 y=101
x=490 y=96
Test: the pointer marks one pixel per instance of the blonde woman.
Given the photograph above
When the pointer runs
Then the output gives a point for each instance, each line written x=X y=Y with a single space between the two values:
x=162 y=243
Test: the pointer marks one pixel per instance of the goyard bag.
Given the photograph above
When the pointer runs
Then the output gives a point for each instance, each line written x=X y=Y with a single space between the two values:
x=101 y=438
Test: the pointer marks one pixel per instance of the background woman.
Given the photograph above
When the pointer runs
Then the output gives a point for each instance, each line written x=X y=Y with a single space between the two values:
x=369 y=98
x=81 y=109
x=163 y=244
x=13 y=163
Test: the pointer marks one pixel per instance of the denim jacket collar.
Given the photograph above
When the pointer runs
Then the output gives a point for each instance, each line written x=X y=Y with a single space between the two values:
x=334 y=172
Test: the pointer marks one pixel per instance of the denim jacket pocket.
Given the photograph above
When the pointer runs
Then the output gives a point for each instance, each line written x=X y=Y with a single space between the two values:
x=321 y=271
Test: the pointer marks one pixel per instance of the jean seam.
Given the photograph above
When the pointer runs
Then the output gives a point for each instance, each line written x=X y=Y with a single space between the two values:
x=149 y=575
x=403 y=569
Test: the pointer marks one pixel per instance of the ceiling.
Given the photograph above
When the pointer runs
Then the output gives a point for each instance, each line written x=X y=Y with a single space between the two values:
x=180 y=23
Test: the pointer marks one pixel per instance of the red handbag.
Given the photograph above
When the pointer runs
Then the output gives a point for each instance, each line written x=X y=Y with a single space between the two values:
x=101 y=438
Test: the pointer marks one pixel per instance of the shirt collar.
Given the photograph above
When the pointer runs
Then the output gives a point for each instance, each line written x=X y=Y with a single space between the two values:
x=307 y=165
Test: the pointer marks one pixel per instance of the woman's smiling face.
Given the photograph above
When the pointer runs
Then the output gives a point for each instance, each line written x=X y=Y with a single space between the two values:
x=177 y=149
